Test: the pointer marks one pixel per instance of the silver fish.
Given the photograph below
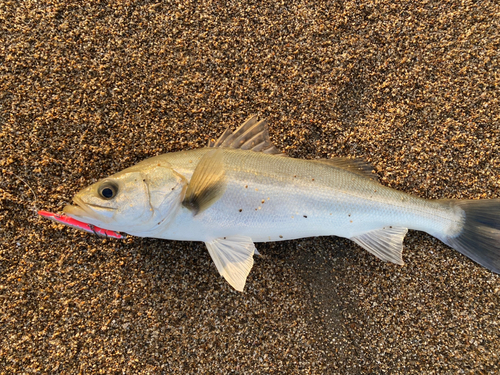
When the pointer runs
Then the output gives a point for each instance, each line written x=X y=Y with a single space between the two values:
x=240 y=190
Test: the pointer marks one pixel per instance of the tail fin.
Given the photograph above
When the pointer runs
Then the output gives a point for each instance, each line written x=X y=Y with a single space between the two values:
x=480 y=236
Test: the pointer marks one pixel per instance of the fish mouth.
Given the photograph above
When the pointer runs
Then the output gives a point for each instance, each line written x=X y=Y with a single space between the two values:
x=88 y=212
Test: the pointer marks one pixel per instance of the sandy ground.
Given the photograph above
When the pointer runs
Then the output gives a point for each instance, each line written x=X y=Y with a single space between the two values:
x=87 y=90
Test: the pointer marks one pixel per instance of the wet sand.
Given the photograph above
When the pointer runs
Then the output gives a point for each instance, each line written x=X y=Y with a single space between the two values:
x=85 y=91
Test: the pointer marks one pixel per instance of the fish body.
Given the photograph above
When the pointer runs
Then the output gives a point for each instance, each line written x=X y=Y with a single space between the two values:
x=241 y=190
x=269 y=198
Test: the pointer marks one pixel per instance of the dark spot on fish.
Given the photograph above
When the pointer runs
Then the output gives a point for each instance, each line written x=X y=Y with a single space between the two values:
x=246 y=186
x=350 y=221
x=263 y=201
x=144 y=180
x=241 y=210
x=224 y=237
x=281 y=236
x=390 y=227
x=305 y=216
x=347 y=215
x=313 y=179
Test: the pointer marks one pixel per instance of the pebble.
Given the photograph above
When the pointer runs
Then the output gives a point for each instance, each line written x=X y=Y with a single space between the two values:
x=89 y=89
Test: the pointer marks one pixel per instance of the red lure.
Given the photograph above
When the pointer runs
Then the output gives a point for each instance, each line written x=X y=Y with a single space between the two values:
x=66 y=220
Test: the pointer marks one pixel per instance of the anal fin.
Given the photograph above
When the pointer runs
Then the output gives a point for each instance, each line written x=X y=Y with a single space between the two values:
x=233 y=257
x=385 y=243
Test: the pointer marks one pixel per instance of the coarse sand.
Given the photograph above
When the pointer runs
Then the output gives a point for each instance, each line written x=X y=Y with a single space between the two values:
x=89 y=88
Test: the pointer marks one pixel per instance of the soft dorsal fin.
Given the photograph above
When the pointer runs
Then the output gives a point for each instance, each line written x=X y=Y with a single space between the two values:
x=207 y=183
x=385 y=243
x=354 y=165
x=252 y=135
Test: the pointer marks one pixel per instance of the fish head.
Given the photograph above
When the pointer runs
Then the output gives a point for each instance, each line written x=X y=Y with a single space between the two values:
x=135 y=200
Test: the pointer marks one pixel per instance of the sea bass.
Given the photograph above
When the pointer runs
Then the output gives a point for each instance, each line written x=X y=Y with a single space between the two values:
x=240 y=190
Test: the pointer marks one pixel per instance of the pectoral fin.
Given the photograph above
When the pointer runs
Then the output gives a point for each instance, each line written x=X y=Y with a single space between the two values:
x=207 y=184
x=385 y=243
x=233 y=257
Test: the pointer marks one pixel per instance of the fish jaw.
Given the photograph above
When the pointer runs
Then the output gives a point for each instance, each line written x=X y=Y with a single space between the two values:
x=89 y=213
x=76 y=212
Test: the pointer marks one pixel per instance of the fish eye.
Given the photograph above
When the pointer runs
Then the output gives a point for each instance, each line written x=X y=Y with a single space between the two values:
x=108 y=190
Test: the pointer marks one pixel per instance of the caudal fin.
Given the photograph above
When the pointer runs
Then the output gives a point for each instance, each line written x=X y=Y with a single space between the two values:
x=480 y=235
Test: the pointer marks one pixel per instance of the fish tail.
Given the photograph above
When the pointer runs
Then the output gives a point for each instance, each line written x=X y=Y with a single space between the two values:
x=479 y=237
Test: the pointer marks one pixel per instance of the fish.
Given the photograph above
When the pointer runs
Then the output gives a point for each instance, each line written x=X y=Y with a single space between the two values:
x=240 y=190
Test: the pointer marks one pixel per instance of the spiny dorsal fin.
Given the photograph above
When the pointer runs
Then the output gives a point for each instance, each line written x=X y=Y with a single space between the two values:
x=354 y=165
x=385 y=243
x=252 y=135
x=207 y=184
